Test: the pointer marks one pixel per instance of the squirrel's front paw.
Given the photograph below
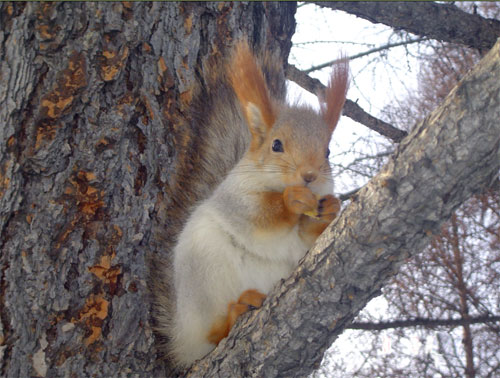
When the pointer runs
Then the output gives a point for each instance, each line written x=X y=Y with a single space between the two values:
x=328 y=207
x=326 y=210
x=299 y=199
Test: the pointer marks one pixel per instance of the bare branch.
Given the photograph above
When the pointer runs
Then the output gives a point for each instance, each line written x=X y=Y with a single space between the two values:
x=346 y=196
x=352 y=43
x=444 y=22
x=365 y=53
x=423 y=322
x=351 y=109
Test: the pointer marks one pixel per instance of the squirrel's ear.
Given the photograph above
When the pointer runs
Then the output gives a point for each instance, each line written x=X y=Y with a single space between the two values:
x=333 y=99
x=255 y=119
x=250 y=87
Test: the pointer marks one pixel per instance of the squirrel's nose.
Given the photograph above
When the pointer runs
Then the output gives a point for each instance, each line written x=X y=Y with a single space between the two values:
x=309 y=176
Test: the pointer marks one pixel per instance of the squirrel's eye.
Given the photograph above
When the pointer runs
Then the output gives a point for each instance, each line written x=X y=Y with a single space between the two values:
x=277 y=146
x=327 y=153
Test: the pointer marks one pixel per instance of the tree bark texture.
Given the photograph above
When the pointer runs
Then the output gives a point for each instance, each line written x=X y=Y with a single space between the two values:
x=444 y=22
x=452 y=154
x=92 y=156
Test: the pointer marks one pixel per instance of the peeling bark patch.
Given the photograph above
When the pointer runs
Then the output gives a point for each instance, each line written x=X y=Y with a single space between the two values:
x=107 y=273
x=47 y=32
x=5 y=173
x=128 y=99
x=127 y=11
x=45 y=133
x=66 y=231
x=165 y=78
x=188 y=24
x=92 y=317
x=11 y=142
x=146 y=48
x=104 y=144
x=104 y=270
x=113 y=62
x=88 y=200
x=186 y=98
x=68 y=83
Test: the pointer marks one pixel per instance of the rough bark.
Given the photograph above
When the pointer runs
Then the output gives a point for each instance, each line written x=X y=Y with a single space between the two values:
x=452 y=154
x=92 y=153
x=444 y=22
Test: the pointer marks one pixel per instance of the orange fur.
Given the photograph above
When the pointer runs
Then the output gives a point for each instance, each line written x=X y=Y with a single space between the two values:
x=252 y=298
x=328 y=207
x=274 y=214
x=311 y=228
x=249 y=299
x=249 y=84
x=299 y=199
x=335 y=93
x=218 y=331
x=283 y=210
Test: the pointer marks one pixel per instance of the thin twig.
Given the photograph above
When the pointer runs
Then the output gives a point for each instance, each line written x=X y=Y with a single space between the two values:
x=423 y=322
x=365 y=53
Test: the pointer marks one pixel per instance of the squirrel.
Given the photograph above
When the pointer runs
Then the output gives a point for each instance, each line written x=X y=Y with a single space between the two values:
x=263 y=216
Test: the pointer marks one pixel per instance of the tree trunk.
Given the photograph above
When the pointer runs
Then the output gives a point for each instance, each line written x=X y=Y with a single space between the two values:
x=93 y=152
x=463 y=294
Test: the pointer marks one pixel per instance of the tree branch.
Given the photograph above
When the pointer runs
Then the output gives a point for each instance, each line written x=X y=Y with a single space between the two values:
x=347 y=196
x=423 y=322
x=365 y=53
x=449 y=156
x=351 y=109
x=444 y=22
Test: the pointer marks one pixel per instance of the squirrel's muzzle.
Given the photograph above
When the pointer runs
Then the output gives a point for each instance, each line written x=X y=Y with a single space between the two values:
x=309 y=176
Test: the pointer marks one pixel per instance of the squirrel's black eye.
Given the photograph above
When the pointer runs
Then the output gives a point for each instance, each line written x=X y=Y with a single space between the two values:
x=327 y=153
x=277 y=146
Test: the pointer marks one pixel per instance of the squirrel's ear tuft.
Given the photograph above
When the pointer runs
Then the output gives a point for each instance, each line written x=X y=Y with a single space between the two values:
x=250 y=87
x=333 y=99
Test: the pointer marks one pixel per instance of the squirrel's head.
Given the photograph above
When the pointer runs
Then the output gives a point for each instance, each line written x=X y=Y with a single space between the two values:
x=288 y=141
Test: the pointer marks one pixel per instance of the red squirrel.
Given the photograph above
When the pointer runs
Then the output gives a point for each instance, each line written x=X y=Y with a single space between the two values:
x=253 y=229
